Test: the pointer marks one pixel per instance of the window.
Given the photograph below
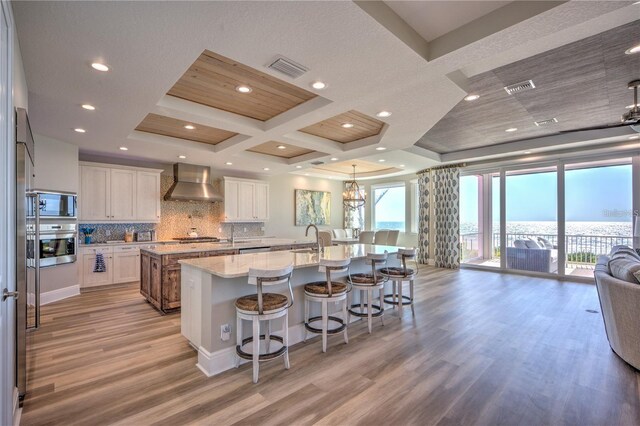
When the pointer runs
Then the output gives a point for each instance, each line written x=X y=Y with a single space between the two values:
x=389 y=207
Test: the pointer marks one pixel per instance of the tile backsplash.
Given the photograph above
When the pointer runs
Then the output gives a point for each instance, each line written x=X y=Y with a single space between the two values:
x=177 y=219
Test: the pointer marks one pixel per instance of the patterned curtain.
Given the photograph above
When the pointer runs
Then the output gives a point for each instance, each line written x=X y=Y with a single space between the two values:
x=446 y=203
x=423 y=217
x=445 y=222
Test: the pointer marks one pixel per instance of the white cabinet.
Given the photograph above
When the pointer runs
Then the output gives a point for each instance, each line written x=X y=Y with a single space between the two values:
x=148 y=196
x=95 y=193
x=119 y=194
x=126 y=264
x=245 y=200
x=90 y=278
x=123 y=195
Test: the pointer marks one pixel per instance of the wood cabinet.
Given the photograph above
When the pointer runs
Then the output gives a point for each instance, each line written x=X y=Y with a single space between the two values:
x=160 y=277
x=246 y=200
x=119 y=194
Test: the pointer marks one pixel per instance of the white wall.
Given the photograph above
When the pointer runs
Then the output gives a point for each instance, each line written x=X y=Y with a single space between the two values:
x=20 y=91
x=56 y=165
x=281 y=204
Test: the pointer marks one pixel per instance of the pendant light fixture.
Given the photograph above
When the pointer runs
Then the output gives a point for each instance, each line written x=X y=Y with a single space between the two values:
x=353 y=197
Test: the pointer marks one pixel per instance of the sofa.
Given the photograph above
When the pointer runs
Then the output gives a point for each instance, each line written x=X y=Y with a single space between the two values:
x=532 y=255
x=618 y=287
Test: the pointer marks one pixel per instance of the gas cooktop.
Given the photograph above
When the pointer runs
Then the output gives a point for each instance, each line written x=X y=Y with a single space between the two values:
x=197 y=239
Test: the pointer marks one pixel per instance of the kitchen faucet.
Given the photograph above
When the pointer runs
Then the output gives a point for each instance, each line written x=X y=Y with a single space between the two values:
x=306 y=234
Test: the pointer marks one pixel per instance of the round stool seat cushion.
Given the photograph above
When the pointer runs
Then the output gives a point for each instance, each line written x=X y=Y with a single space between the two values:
x=320 y=288
x=366 y=279
x=395 y=271
x=270 y=302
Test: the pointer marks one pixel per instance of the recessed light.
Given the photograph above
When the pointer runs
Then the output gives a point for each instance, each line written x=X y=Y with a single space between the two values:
x=383 y=114
x=244 y=89
x=470 y=98
x=99 y=67
x=334 y=159
x=124 y=148
x=88 y=107
x=306 y=174
x=189 y=127
x=634 y=137
x=79 y=130
x=182 y=157
x=511 y=129
x=282 y=147
x=382 y=160
x=380 y=148
x=347 y=125
x=632 y=50
x=527 y=152
x=631 y=106
x=229 y=163
x=319 y=85
x=401 y=165
x=298 y=167
x=266 y=169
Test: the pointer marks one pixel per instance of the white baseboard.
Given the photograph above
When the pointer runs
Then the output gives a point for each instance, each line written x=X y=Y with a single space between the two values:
x=61 y=293
x=225 y=359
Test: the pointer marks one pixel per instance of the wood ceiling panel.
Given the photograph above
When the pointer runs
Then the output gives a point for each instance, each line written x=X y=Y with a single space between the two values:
x=346 y=167
x=582 y=84
x=167 y=126
x=331 y=128
x=212 y=80
x=271 y=148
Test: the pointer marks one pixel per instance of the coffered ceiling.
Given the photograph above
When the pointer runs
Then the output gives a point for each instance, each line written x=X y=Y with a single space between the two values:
x=363 y=168
x=582 y=84
x=166 y=73
x=167 y=126
x=213 y=80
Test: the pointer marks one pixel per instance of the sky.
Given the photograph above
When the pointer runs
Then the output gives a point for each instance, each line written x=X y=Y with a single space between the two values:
x=600 y=194
x=391 y=206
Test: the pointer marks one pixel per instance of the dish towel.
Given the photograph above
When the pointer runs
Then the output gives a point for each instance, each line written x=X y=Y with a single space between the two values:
x=99 y=266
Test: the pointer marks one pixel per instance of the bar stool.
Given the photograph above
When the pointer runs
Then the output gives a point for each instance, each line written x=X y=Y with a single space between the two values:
x=366 y=284
x=398 y=275
x=264 y=307
x=325 y=292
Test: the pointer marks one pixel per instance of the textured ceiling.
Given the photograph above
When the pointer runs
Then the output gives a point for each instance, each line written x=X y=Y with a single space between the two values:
x=582 y=84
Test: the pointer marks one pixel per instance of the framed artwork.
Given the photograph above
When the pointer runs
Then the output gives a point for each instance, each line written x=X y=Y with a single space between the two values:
x=312 y=207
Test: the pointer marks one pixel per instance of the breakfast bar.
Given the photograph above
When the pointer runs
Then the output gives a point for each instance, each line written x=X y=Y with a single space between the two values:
x=210 y=286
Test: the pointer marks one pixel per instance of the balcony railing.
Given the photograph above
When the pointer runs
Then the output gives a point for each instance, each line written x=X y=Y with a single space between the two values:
x=580 y=249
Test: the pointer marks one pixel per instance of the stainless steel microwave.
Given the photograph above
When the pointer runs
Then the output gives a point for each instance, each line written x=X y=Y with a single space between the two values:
x=57 y=205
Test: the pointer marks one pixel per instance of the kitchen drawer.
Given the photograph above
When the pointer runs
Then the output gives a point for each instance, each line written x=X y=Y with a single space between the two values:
x=95 y=250
x=172 y=259
x=127 y=249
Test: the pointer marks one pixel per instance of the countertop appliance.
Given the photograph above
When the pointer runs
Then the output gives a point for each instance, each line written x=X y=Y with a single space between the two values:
x=187 y=240
x=27 y=257
x=145 y=235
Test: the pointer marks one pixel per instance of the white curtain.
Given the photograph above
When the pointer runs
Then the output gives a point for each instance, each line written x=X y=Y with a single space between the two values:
x=445 y=222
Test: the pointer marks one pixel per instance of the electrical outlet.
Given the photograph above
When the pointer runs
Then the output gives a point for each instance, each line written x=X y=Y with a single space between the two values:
x=262 y=228
x=245 y=229
x=225 y=332
x=108 y=233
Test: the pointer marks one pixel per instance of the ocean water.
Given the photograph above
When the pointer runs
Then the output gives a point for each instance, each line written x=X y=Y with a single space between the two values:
x=610 y=229
x=390 y=225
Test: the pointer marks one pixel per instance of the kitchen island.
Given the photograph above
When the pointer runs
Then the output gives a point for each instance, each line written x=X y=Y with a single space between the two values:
x=160 y=270
x=210 y=286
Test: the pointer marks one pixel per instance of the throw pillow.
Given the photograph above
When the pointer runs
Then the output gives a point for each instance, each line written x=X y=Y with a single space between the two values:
x=624 y=250
x=519 y=244
x=532 y=244
x=546 y=243
x=625 y=268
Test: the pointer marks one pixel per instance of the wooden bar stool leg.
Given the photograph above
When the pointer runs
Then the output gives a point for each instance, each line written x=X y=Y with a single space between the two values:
x=306 y=319
x=256 y=349
x=345 y=316
x=285 y=340
x=325 y=325
x=369 y=309
x=238 y=338
x=267 y=336
x=411 y=295
x=400 y=298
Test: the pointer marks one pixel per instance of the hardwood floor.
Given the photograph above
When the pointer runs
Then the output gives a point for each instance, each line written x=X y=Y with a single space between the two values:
x=482 y=348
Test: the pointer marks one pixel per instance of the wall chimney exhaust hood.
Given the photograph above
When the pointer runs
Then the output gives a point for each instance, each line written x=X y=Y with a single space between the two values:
x=191 y=183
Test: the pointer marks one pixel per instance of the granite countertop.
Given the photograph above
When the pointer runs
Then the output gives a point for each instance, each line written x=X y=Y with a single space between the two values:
x=238 y=265
x=221 y=246
x=123 y=243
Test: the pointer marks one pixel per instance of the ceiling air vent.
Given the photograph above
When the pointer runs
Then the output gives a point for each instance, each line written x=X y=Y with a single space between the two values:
x=520 y=87
x=288 y=67
x=546 y=122
x=317 y=163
